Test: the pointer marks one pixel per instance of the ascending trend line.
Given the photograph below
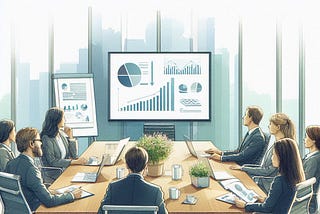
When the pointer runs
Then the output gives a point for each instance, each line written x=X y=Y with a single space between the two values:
x=151 y=73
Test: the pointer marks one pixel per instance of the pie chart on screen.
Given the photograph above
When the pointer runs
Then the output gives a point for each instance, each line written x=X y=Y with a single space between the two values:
x=129 y=74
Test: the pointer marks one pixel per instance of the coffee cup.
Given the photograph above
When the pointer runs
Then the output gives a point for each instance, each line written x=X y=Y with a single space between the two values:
x=174 y=193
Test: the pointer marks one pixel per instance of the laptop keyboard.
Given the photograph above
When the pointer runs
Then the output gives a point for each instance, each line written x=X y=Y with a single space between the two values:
x=89 y=176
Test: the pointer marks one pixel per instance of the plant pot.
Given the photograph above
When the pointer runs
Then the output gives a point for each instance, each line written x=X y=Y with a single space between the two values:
x=155 y=170
x=200 y=182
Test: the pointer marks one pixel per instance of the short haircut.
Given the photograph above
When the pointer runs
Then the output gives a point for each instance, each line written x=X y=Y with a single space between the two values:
x=136 y=159
x=256 y=113
x=290 y=164
x=24 y=136
x=6 y=126
x=313 y=133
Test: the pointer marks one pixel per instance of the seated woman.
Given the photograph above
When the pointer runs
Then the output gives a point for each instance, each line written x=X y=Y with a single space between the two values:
x=286 y=158
x=311 y=162
x=59 y=147
x=280 y=126
x=7 y=135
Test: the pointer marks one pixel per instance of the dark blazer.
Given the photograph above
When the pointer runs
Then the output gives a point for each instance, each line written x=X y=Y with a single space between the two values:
x=312 y=169
x=265 y=169
x=134 y=190
x=33 y=188
x=51 y=152
x=250 y=151
x=279 y=198
x=5 y=156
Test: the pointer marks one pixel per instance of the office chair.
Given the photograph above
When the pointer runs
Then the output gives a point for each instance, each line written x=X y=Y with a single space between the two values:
x=49 y=174
x=125 y=209
x=12 y=195
x=301 y=200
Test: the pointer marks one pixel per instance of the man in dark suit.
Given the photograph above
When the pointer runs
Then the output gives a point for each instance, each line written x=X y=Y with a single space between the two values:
x=253 y=145
x=134 y=190
x=29 y=144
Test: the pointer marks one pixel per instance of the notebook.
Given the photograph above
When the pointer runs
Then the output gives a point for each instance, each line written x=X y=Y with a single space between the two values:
x=113 y=151
x=191 y=149
x=90 y=177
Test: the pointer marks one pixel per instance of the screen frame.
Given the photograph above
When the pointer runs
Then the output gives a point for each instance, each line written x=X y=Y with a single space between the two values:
x=112 y=72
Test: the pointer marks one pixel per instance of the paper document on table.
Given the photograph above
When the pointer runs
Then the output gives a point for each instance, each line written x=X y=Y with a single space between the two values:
x=225 y=183
x=229 y=198
x=242 y=192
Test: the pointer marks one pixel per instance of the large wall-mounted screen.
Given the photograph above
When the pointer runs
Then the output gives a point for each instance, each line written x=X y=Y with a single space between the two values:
x=159 y=86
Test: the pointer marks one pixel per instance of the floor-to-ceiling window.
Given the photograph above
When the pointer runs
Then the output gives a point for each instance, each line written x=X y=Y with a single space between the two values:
x=169 y=26
x=31 y=63
x=290 y=26
x=259 y=62
x=5 y=66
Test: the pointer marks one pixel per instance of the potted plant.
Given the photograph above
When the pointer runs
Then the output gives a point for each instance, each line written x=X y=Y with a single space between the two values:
x=199 y=174
x=158 y=147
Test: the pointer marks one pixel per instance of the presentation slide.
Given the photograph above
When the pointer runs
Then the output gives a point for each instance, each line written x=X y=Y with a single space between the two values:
x=159 y=86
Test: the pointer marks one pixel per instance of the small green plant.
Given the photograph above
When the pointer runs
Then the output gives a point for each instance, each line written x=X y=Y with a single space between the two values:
x=199 y=170
x=158 y=146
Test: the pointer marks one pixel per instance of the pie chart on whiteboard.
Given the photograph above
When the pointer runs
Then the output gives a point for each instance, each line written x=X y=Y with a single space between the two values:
x=129 y=74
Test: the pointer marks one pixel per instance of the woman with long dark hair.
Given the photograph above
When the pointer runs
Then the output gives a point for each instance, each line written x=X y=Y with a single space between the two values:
x=311 y=162
x=7 y=135
x=287 y=159
x=59 y=146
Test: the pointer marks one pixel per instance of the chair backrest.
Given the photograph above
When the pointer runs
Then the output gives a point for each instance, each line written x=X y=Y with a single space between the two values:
x=301 y=200
x=48 y=173
x=125 y=209
x=12 y=195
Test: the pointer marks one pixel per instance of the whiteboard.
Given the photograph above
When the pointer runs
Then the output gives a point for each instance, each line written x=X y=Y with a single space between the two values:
x=74 y=93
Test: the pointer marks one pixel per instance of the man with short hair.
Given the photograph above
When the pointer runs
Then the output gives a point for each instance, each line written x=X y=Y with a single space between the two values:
x=253 y=145
x=29 y=145
x=134 y=190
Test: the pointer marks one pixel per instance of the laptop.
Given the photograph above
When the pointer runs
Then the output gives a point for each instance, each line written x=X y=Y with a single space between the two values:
x=217 y=175
x=193 y=152
x=114 y=152
x=90 y=177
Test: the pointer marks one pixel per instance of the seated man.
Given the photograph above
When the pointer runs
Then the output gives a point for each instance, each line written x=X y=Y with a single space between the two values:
x=134 y=190
x=29 y=144
x=252 y=148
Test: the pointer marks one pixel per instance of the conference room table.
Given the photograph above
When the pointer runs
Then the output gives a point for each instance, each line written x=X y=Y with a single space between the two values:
x=206 y=203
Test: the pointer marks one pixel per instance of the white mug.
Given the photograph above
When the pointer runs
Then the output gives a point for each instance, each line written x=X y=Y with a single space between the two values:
x=174 y=193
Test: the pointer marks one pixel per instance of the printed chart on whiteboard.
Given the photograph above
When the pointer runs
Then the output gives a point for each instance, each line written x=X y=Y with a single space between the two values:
x=76 y=97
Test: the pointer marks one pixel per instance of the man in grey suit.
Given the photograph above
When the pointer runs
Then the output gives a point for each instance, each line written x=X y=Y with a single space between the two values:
x=134 y=190
x=253 y=145
x=29 y=144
